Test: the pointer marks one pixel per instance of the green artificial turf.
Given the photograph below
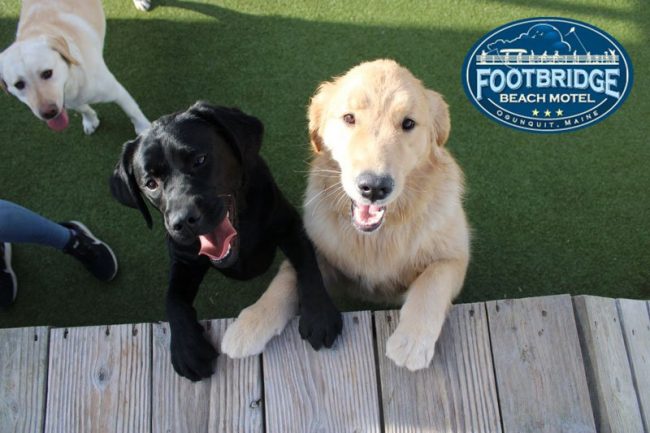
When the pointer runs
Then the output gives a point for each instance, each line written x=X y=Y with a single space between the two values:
x=550 y=214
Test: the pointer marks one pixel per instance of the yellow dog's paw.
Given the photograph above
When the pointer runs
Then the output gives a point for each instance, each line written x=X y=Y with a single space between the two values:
x=248 y=335
x=411 y=348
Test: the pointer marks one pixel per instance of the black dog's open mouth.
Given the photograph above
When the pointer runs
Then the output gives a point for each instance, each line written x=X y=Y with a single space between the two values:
x=221 y=244
x=367 y=217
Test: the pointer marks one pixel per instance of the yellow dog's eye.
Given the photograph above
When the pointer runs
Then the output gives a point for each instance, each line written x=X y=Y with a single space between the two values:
x=349 y=119
x=20 y=85
x=408 y=124
x=46 y=74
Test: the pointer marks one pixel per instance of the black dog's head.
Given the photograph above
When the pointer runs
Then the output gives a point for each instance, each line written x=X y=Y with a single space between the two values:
x=191 y=166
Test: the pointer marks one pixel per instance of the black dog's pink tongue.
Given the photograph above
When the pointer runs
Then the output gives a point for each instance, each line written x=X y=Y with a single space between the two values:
x=60 y=122
x=215 y=245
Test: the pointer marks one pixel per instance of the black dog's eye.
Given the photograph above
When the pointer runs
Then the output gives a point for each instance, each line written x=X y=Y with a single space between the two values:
x=200 y=160
x=349 y=119
x=151 y=184
x=20 y=85
x=408 y=124
x=46 y=74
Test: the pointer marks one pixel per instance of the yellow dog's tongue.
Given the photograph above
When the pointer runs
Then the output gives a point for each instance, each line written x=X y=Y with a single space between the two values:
x=367 y=212
x=215 y=245
x=60 y=122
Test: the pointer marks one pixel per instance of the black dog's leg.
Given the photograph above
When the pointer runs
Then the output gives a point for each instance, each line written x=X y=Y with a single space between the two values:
x=192 y=355
x=320 y=320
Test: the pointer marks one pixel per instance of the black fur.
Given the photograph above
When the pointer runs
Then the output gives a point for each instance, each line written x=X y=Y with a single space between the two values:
x=192 y=192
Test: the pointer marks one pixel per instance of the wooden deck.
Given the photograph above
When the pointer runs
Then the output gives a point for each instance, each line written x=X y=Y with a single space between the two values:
x=550 y=364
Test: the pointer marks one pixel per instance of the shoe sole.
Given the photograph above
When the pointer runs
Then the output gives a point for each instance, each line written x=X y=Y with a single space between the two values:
x=8 y=268
x=90 y=234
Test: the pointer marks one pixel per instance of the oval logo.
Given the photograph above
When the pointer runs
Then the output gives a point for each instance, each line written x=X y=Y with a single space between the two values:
x=547 y=75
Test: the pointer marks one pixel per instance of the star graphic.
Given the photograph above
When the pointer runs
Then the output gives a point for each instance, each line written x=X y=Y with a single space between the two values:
x=535 y=112
x=547 y=113
x=559 y=112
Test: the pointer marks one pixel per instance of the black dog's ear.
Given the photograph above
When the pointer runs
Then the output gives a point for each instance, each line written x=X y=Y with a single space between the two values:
x=123 y=184
x=244 y=132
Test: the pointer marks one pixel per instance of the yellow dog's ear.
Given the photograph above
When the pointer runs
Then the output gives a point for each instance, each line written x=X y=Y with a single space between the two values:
x=440 y=125
x=60 y=45
x=315 y=114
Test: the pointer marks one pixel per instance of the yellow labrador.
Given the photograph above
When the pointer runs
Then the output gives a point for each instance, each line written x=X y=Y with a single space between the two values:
x=56 y=63
x=383 y=208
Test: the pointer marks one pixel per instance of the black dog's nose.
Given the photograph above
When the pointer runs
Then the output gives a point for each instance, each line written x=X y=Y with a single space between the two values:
x=185 y=219
x=50 y=112
x=374 y=187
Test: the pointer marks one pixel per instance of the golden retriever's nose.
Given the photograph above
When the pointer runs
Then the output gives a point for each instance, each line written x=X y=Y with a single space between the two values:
x=49 y=112
x=374 y=187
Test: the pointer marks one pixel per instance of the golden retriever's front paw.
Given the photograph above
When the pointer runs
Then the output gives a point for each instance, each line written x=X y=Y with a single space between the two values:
x=249 y=334
x=411 y=348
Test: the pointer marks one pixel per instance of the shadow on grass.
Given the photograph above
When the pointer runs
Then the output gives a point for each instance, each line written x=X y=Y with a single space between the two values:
x=534 y=216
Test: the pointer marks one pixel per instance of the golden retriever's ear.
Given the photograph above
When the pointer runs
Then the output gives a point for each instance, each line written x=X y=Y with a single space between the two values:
x=441 y=124
x=60 y=45
x=315 y=114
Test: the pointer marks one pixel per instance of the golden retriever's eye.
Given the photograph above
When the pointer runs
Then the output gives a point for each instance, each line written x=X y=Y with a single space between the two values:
x=46 y=74
x=408 y=124
x=151 y=184
x=20 y=85
x=349 y=119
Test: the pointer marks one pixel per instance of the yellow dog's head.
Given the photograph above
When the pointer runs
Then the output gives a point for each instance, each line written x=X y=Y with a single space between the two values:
x=379 y=124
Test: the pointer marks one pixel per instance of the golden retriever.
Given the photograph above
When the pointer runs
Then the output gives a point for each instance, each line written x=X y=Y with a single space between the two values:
x=56 y=63
x=383 y=208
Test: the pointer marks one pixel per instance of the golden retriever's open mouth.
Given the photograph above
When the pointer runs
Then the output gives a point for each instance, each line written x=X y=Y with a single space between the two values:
x=367 y=217
x=221 y=244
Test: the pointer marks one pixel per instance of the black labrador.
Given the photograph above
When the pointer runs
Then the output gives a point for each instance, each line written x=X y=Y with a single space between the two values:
x=202 y=170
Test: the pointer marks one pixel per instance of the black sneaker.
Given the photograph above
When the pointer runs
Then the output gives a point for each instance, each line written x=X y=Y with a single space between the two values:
x=8 y=283
x=94 y=254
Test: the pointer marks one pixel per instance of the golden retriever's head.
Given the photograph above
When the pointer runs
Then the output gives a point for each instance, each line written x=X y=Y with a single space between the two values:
x=35 y=71
x=379 y=124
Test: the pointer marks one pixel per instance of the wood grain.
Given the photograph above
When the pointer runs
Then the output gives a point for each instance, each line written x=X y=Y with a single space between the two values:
x=332 y=390
x=457 y=393
x=100 y=380
x=635 y=321
x=23 y=375
x=538 y=364
x=613 y=398
x=230 y=401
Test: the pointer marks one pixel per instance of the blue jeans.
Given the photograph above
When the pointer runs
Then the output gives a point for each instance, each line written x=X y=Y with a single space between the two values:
x=20 y=225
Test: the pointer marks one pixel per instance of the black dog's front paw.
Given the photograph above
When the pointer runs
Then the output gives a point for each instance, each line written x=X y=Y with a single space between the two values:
x=192 y=355
x=320 y=324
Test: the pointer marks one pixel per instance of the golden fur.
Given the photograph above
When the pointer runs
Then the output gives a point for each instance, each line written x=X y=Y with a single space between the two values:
x=419 y=255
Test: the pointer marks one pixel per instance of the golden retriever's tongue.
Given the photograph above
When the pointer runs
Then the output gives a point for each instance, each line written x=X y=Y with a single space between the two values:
x=60 y=122
x=368 y=213
x=215 y=245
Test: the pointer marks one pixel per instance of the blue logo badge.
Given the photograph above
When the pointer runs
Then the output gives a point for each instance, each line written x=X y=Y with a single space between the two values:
x=547 y=75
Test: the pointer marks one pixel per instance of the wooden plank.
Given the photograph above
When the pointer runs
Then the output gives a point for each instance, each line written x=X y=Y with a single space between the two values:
x=23 y=375
x=99 y=380
x=539 y=371
x=230 y=401
x=332 y=390
x=613 y=398
x=635 y=321
x=457 y=393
